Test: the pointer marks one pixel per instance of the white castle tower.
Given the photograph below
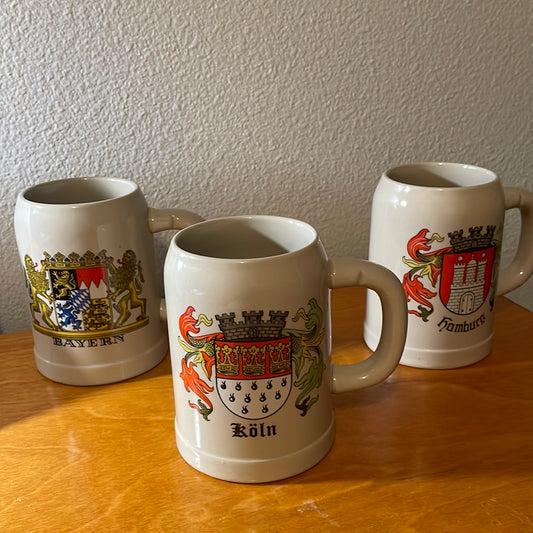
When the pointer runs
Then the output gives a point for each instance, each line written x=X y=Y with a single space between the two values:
x=466 y=291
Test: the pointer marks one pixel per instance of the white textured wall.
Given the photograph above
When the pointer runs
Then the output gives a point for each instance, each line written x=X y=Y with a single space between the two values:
x=279 y=107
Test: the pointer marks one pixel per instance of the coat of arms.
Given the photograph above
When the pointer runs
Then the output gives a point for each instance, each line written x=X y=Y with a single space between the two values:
x=465 y=269
x=253 y=363
x=256 y=361
x=86 y=296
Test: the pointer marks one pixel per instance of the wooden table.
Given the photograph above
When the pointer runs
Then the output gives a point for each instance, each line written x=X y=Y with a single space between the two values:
x=427 y=450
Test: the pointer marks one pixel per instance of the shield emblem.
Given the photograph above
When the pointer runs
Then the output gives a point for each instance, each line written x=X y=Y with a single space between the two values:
x=254 y=378
x=80 y=298
x=466 y=279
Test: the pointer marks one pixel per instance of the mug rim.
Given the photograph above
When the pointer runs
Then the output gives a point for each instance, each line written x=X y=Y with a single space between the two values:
x=188 y=232
x=36 y=194
x=484 y=178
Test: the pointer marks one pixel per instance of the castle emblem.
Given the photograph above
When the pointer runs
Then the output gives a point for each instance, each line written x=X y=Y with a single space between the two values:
x=85 y=296
x=253 y=363
x=463 y=270
x=467 y=270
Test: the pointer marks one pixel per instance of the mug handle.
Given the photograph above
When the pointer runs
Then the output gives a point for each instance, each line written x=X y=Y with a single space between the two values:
x=521 y=267
x=383 y=361
x=165 y=219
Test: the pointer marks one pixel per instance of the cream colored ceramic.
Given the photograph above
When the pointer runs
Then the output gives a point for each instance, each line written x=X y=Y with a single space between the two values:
x=438 y=227
x=249 y=324
x=87 y=249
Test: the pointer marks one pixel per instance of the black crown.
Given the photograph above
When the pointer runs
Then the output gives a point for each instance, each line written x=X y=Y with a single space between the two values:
x=474 y=241
x=253 y=327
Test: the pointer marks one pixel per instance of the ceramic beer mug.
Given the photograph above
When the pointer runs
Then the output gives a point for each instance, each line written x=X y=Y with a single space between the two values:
x=87 y=250
x=249 y=324
x=438 y=227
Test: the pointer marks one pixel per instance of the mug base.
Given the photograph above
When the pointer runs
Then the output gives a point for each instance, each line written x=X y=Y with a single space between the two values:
x=101 y=374
x=256 y=471
x=436 y=359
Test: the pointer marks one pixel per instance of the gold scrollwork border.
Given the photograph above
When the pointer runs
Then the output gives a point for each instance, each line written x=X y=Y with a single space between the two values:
x=92 y=334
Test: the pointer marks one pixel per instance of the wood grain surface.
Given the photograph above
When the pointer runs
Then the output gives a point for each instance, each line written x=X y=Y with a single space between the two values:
x=425 y=451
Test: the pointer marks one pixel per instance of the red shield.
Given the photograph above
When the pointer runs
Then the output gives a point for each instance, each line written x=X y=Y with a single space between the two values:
x=466 y=279
x=254 y=378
